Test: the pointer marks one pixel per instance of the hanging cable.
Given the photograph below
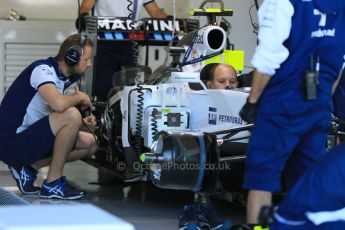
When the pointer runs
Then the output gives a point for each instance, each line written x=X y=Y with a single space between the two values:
x=139 y=118
x=172 y=35
x=154 y=123
x=255 y=25
x=132 y=7
x=256 y=4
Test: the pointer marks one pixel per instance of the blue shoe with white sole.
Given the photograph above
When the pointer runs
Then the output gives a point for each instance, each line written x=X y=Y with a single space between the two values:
x=60 y=189
x=25 y=179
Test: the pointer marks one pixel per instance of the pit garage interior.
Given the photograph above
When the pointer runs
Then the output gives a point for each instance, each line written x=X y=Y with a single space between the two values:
x=127 y=205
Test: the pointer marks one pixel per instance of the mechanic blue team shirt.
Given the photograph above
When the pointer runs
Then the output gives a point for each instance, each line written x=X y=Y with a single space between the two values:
x=22 y=104
x=289 y=31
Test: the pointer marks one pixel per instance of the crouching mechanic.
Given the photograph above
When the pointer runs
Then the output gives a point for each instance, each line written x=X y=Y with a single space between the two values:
x=317 y=201
x=40 y=125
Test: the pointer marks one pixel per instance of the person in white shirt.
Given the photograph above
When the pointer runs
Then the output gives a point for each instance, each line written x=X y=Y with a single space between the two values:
x=111 y=56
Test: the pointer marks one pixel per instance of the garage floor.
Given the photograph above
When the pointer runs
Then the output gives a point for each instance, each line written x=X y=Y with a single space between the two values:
x=142 y=204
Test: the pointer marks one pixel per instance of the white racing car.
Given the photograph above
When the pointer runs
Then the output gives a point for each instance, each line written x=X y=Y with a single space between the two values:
x=169 y=128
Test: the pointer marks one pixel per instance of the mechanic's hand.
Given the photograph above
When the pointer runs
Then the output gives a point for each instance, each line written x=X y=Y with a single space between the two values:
x=90 y=121
x=89 y=124
x=85 y=101
x=81 y=20
x=248 y=112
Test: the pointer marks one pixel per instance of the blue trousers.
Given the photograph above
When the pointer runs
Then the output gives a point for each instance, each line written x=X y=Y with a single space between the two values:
x=322 y=188
x=33 y=144
x=110 y=57
x=288 y=133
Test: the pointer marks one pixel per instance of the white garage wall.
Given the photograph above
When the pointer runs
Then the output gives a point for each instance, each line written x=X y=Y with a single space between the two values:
x=63 y=12
x=41 y=9
x=241 y=34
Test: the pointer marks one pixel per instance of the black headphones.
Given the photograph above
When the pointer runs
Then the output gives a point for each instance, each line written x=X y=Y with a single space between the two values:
x=74 y=53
